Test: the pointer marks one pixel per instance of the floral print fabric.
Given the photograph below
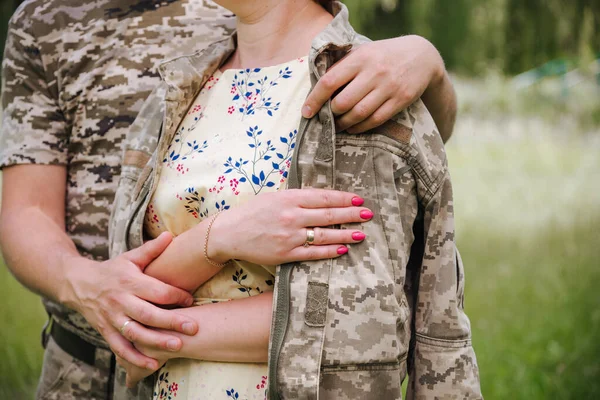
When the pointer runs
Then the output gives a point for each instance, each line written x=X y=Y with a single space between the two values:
x=236 y=141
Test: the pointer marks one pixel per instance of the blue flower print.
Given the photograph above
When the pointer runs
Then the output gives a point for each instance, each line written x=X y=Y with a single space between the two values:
x=232 y=394
x=250 y=92
x=266 y=155
x=195 y=204
x=180 y=148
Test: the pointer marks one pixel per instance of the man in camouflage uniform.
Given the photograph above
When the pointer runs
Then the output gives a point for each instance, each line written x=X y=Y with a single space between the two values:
x=74 y=77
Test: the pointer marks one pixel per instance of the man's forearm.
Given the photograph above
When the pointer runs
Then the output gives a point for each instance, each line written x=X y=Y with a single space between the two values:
x=440 y=100
x=36 y=250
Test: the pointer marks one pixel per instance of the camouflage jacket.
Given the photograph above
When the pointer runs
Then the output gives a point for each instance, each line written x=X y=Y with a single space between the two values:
x=351 y=327
x=74 y=77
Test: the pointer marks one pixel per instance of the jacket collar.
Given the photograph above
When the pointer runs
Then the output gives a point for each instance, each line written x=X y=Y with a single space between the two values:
x=188 y=73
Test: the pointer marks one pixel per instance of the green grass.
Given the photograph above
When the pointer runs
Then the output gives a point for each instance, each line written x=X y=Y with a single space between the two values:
x=528 y=217
x=21 y=319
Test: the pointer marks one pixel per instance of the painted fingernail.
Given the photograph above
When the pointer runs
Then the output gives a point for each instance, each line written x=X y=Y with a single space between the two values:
x=357 y=201
x=342 y=250
x=172 y=344
x=188 y=328
x=358 y=236
x=366 y=214
x=307 y=111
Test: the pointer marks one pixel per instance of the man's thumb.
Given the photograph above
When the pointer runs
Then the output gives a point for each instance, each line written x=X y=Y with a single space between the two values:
x=146 y=253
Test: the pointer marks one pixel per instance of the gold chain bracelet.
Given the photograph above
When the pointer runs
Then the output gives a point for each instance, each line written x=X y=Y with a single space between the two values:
x=208 y=260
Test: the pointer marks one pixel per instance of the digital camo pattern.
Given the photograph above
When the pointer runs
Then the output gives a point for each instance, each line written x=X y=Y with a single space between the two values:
x=353 y=327
x=75 y=75
x=66 y=378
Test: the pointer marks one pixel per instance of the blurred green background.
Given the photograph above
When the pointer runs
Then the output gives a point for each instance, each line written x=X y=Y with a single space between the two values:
x=525 y=160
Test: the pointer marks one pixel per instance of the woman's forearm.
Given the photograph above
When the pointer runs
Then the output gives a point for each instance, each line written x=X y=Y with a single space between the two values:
x=183 y=264
x=231 y=331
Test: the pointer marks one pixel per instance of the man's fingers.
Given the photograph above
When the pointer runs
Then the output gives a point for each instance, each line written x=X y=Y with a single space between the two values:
x=157 y=292
x=361 y=111
x=146 y=253
x=324 y=198
x=155 y=317
x=139 y=334
x=351 y=95
x=383 y=114
x=336 y=77
x=124 y=349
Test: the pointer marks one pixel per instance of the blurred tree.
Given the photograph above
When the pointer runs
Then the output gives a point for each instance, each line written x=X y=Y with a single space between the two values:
x=7 y=7
x=473 y=36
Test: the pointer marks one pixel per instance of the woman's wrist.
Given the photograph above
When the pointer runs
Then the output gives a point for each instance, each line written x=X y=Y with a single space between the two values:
x=217 y=240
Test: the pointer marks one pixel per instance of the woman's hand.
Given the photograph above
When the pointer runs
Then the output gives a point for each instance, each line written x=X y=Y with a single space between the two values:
x=272 y=228
x=136 y=374
x=383 y=78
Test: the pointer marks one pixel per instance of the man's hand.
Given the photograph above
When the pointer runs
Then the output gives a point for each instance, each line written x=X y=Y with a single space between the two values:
x=380 y=79
x=42 y=257
x=116 y=291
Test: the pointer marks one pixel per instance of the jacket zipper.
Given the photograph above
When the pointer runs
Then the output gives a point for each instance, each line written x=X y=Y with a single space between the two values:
x=282 y=310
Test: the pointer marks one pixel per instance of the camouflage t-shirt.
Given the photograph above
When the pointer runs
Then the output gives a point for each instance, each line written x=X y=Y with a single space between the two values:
x=74 y=77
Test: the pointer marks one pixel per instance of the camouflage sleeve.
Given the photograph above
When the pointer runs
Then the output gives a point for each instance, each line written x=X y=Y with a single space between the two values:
x=442 y=363
x=33 y=128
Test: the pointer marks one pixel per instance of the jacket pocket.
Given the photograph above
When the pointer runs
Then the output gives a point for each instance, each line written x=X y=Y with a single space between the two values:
x=367 y=314
x=365 y=382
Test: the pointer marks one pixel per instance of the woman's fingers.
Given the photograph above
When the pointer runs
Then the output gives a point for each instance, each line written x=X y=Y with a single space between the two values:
x=325 y=236
x=334 y=216
x=323 y=198
x=313 y=252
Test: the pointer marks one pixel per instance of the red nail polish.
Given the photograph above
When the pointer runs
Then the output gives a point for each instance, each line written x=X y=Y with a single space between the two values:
x=358 y=236
x=357 y=201
x=342 y=250
x=366 y=214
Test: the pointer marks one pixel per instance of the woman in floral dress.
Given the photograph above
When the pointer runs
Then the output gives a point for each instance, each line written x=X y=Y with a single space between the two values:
x=235 y=143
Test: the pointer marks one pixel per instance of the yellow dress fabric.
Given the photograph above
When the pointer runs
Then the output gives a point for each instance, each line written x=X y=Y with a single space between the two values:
x=235 y=142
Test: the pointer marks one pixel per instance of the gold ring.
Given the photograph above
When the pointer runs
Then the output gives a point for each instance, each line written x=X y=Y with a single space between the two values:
x=122 y=330
x=310 y=237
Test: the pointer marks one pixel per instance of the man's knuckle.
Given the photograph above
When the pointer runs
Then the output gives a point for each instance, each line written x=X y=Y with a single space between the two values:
x=130 y=333
x=145 y=316
x=376 y=120
x=362 y=111
x=328 y=82
x=124 y=280
x=381 y=70
x=340 y=104
x=120 y=352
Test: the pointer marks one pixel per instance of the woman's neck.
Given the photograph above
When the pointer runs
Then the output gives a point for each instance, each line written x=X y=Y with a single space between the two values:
x=271 y=32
